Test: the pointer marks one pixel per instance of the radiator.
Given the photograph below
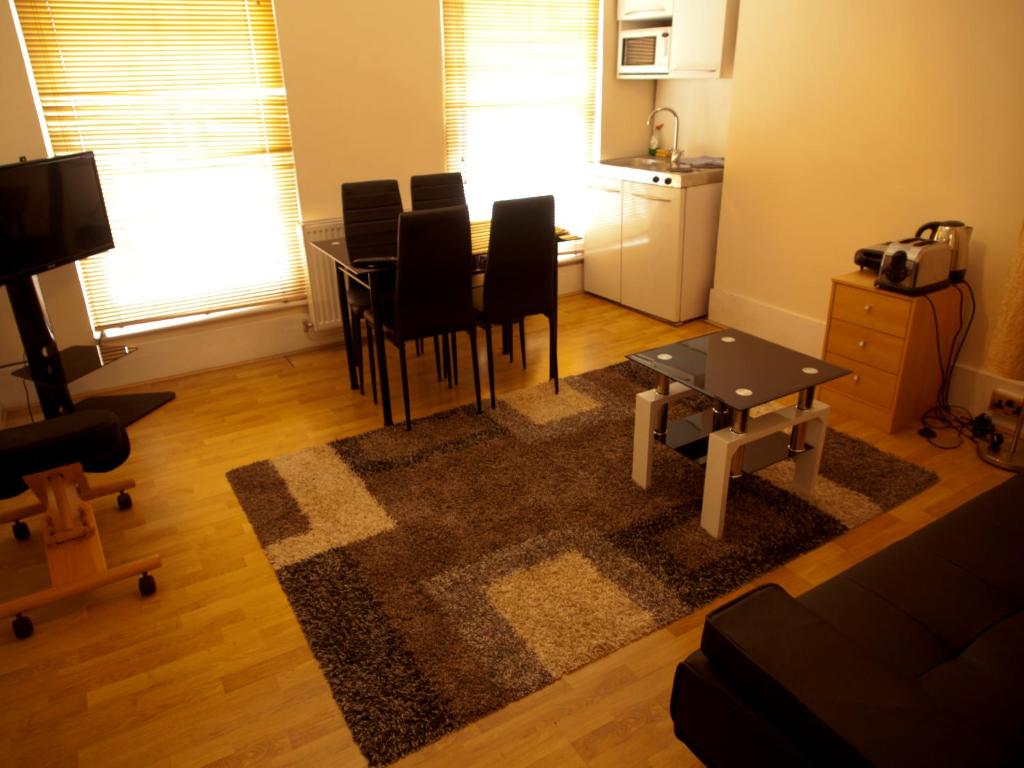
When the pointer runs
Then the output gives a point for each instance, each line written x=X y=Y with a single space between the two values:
x=324 y=312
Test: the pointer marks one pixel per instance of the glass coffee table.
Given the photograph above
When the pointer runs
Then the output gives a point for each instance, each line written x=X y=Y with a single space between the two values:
x=738 y=372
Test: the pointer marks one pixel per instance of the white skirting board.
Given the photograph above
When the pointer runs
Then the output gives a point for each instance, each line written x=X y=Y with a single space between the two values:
x=970 y=388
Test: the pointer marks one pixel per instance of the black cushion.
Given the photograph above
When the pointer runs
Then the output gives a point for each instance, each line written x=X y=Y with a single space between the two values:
x=94 y=439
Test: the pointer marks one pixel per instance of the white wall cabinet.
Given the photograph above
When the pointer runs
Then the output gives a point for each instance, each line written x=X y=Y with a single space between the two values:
x=703 y=37
x=652 y=248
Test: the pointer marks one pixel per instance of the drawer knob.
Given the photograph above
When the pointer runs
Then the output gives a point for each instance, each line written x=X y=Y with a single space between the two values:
x=862 y=343
x=856 y=378
x=867 y=307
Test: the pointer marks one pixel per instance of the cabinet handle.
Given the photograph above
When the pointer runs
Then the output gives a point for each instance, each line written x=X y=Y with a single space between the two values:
x=856 y=378
x=862 y=343
x=652 y=197
x=867 y=307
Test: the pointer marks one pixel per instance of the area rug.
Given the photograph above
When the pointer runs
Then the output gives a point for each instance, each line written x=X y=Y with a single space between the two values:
x=442 y=573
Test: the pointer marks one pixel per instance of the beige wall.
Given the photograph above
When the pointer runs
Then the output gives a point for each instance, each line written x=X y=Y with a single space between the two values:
x=703 y=107
x=364 y=94
x=852 y=122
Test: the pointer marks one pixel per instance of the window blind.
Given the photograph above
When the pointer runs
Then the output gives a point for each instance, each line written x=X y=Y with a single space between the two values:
x=183 y=102
x=520 y=85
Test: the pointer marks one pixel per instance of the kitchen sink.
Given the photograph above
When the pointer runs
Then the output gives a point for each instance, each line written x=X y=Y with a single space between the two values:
x=656 y=164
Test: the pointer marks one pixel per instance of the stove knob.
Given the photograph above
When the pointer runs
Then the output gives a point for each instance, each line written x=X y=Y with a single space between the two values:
x=656 y=179
x=668 y=181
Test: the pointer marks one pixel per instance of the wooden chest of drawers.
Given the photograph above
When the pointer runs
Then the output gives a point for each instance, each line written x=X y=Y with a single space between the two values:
x=888 y=340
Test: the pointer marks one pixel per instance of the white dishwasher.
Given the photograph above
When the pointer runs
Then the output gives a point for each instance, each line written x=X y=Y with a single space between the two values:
x=651 y=241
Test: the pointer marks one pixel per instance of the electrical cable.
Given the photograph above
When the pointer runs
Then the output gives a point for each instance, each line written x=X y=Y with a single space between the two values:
x=945 y=416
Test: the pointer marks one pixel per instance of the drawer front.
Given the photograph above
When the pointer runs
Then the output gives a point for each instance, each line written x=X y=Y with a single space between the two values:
x=864 y=345
x=871 y=309
x=868 y=384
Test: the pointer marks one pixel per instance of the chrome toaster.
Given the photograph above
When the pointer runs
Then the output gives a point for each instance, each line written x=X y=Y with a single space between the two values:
x=915 y=266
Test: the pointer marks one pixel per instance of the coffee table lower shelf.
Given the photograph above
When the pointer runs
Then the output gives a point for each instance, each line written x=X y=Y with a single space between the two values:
x=689 y=438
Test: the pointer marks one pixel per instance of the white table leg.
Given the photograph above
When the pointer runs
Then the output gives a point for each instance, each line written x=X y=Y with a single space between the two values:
x=650 y=406
x=716 y=481
x=647 y=406
x=809 y=462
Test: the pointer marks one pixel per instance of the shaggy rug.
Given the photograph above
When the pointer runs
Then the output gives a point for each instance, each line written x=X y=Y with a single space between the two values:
x=442 y=573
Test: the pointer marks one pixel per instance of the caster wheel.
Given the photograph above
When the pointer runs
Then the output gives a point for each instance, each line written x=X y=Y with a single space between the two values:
x=21 y=531
x=147 y=585
x=124 y=501
x=22 y=627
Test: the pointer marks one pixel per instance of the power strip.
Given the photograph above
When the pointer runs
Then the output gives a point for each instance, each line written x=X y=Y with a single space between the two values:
x=1004 y=408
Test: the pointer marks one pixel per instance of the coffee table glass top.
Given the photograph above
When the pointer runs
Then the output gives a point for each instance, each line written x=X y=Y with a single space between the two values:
x=739 y=369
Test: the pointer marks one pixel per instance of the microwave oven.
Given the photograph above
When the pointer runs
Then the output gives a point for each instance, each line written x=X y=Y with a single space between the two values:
x=644 y=51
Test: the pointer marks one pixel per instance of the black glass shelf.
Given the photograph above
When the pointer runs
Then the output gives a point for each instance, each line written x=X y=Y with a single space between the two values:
x=83 y=359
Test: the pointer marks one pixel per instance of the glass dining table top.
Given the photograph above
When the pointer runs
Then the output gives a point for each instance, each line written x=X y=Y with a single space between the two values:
x=737 y=368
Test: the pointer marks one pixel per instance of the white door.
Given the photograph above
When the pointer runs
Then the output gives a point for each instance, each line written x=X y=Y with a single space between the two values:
x=602 y=242
x=652 y=248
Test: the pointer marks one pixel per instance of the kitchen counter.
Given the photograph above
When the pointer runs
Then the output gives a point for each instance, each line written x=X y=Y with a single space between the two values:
x=656 y=170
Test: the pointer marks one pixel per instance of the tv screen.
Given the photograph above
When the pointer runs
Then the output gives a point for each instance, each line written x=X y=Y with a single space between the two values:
x=51 y=213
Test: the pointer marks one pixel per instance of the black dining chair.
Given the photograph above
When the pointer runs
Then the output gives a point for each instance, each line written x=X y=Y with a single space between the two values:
x=521 y=275
x=437 y=190
x=370 y=212
x=440 y=190
x=433 y=286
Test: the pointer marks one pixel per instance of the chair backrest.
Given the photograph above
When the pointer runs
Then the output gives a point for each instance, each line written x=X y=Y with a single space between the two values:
x=437 y=190
x=370 y=211
x=522 y=259
x=433 y=285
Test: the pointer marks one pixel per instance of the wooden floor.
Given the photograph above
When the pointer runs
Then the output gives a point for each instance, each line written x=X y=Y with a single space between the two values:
x=214 y=670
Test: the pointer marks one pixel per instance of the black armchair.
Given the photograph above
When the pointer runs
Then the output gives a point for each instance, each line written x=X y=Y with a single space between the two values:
x=50 y=458
x=521 y=275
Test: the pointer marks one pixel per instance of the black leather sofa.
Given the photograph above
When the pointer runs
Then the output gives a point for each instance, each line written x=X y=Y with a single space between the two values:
x=913 y=657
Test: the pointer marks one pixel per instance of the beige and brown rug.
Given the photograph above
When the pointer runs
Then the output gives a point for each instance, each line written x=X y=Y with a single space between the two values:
x=442 y=573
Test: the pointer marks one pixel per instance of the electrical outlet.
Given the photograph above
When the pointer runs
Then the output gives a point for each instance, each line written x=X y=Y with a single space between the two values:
x=1004 y=408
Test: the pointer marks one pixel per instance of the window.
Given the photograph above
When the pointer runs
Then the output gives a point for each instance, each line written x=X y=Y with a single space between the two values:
x=520 y=90
x=183 y=103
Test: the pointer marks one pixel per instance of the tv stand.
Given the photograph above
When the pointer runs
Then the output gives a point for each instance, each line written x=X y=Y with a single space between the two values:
x=51 y=370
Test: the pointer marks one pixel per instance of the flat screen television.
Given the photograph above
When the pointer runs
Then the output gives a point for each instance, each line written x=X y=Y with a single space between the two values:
x=51 y=213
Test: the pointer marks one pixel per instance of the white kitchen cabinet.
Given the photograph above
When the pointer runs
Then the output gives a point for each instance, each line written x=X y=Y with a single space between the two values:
x=651 y=246
x=602 y=274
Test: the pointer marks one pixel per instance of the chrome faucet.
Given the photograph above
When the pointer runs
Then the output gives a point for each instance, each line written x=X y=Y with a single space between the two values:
x=675 y=132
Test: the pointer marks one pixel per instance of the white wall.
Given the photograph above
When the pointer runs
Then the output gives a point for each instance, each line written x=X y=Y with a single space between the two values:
x=852 y=122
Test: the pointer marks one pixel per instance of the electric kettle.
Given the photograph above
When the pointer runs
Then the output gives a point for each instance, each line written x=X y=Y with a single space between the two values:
x=955 y=234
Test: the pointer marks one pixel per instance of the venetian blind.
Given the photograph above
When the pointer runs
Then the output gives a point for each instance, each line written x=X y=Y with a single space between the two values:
x=183 y=103
x=520 y=85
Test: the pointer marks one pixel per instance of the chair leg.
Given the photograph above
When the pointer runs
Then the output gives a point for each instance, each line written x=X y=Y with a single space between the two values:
x=357 y=346
x=509 y=342
x=373 y=360
x=490 y=361
x=476 y=366
x=446 y=353
x=455 y=358
x=522 y=340
x=553 y=344
x=405 y=384
x=437 y=356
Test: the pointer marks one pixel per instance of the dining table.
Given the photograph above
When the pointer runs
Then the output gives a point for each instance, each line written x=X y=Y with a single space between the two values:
x=376 y=273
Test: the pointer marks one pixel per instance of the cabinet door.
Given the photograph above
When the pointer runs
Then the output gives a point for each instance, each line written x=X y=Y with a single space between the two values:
x=652 y=248
x=602 y=244
x=698 y=31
